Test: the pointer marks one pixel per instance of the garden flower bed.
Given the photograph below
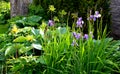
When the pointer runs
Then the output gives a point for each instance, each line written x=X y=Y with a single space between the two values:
x=35 y=46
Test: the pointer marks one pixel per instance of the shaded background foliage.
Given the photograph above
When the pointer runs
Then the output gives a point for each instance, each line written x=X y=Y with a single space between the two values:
x=4 y=12
x=4 y=15
x=81 y=7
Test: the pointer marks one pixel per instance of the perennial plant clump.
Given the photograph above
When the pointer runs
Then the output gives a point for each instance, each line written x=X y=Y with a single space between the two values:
x=95 y=16
x=76 y=35
x=55 y=48
x=14 y=29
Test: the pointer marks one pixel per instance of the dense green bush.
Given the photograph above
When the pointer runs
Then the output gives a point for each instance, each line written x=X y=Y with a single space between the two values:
x=4 y=15
x=80 y=6
x=76 y=8
x=4 y=12
x=36 y=10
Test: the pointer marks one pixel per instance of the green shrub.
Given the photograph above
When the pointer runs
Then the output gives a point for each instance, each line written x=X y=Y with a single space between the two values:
x=82 y=7
x=4 y=12
x=36 y=10
x=4 y=16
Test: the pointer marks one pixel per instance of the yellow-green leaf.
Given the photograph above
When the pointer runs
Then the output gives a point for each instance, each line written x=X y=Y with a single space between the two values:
x=20 y=39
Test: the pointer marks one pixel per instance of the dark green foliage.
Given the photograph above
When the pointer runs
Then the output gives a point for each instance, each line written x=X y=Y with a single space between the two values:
x=78 y=6
x=32 y=20
x=4 y=28
x=27 y=65
x=37 y=10
x=5 y=0
x=4 y=12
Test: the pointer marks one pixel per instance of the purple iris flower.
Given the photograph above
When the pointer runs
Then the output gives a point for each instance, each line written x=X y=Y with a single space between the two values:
x=80 y=22
x=92 y=18
x=96 y=12
x=50 y=22
x=74 y=43
x=80 y=19
x=86 y=36
x=76 y=35
x=97 y=15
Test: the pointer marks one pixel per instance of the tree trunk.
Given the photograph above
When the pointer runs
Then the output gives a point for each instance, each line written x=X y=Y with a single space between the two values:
x=13 y=9
x=115 y=11
x=19 y=7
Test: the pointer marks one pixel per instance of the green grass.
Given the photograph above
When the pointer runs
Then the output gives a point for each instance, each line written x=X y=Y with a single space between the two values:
x=3 y=29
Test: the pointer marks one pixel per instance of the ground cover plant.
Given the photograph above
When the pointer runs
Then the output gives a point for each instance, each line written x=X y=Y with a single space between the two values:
x=4 y=16
x=34 y=45
x=4 y=12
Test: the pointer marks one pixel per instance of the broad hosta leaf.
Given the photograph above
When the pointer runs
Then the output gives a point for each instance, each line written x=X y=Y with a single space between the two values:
x=17 y=46
x=34 y=18
x=24 y=49
x=41 y=33
x=9 y=50
x=62 y=30
x=31 y=20
x=31 y=23
x=37 y=46
x=20 y=39
x=35 y=31
x=20 y=21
